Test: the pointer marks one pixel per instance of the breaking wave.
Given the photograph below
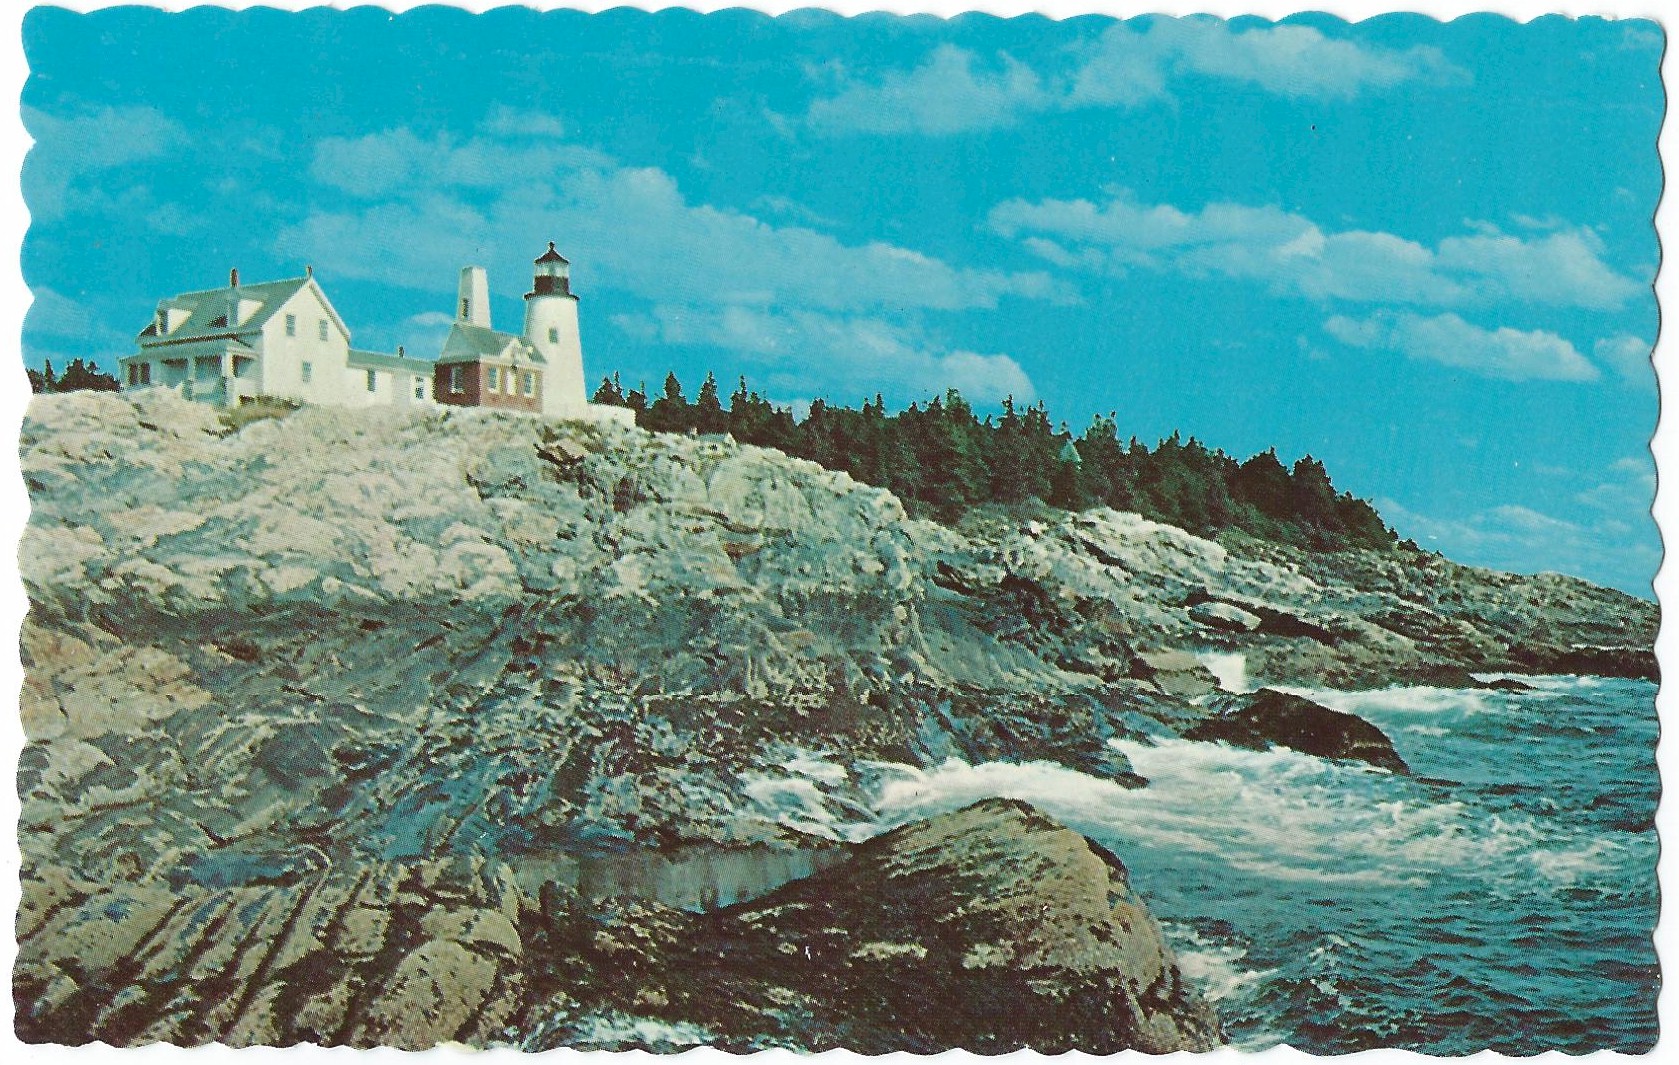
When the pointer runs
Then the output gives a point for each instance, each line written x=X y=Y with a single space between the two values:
x=1490 y=901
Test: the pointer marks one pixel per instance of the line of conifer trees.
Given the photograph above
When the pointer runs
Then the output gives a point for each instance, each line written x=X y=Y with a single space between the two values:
x=941 y=459
x=77 y=376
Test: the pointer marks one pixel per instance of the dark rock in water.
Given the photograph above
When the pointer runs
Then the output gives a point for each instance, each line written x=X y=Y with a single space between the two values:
x=1509 y=684
x=992 y=928
x=1438 y=675
x=1273 y=717
x=1633 y=663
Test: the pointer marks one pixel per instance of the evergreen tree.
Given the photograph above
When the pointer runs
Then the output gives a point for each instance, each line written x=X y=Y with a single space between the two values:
x=670 y=412
x=708 y=415
x=941 y=458
x=609 y=393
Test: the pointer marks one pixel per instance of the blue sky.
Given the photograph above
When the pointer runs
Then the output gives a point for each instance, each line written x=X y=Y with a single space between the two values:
x=1419 y=251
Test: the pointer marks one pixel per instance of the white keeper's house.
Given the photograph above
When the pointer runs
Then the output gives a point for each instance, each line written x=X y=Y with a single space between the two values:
x=284 y=339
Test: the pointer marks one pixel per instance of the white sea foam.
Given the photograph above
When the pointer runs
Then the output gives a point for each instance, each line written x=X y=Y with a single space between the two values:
x=613 y=1028
x=1215 y=968
x=1405 y=702
x=1278 y=814
x=801 y=804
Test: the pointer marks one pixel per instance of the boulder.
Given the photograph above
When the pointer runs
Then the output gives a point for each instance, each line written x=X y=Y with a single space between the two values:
x=1224 y=616
x=992 y=929
x=1270 y=717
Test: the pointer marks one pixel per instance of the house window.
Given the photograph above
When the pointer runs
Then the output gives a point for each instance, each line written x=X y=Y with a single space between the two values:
x=145 y=373
x=373 y=380
x=494 y=379
x=291 y=325
x=553 y=336
x=321 y=328
x=308 y=372
x=466 y=310
x=455 y=385
x=529 y=383
x=419 y=388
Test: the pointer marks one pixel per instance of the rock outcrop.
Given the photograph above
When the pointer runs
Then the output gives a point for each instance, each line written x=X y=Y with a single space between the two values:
x=274 y=675
x=1270 y=717
x=991 y=928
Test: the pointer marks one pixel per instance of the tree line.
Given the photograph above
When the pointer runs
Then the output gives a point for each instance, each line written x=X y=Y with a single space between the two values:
x=77 y=376
x=942 y=459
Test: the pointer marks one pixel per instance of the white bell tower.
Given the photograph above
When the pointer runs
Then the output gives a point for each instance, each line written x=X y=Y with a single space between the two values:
x=551 y=327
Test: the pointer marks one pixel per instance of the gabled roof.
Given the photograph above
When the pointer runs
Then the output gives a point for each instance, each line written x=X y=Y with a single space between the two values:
x=379 y=360
x=208 y=310
x=470 y=343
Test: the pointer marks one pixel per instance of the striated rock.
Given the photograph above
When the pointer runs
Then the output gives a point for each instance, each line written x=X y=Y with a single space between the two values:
x=303 y=698
x=992 y=928
x=1272 y=717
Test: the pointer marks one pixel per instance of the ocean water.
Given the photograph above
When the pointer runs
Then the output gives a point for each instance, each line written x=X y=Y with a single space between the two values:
x=1502 y=898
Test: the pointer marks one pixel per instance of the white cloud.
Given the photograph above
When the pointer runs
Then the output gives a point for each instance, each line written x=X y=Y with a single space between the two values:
x=1521 y=539
x=71 y=148
x=787 y=295
x=946 y=94
x=502 y=156
x=1294 y=255
x=1628 y=356
x=1564 y=268
x=954 y=90
x=1447 y=339
x=1627 y=489
x=630 y=228
x=839 y=355
x=57 y=320
x=1296 y=61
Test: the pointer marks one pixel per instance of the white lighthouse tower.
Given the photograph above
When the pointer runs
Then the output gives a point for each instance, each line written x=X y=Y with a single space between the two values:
x=551 y=328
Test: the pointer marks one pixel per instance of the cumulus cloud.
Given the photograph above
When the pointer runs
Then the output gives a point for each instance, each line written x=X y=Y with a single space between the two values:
x=954 y=90
x=784 y=293
x=631 y=228
x=1447 y=339
x=57 y=323
x=1628 y=356
x=828 y=354
x=1522 y=539
x=1626 y=490
x=949 y=93
x=1293 y=255
x=71 y=148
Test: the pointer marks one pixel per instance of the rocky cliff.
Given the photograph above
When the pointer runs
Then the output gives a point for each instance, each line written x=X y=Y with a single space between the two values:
x=307 y=658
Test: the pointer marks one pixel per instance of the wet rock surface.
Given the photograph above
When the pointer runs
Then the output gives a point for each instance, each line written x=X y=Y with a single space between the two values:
x=270 y=671
x=1270 y=717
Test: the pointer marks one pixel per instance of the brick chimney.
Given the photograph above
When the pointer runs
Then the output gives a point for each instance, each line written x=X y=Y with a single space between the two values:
x=233 y=278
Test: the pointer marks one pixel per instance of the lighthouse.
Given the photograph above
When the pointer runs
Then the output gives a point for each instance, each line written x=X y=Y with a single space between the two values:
x=551 y=328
